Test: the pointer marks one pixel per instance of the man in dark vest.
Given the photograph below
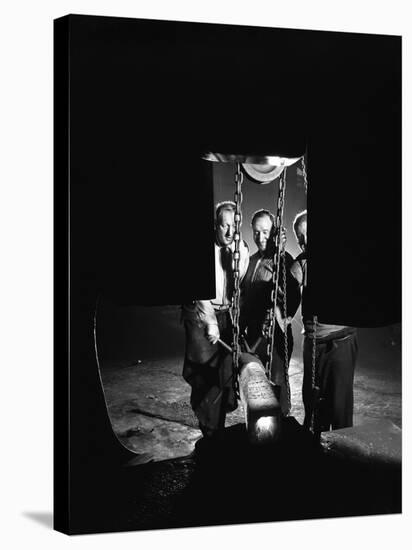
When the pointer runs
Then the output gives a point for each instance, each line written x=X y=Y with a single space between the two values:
x=256 y=302
x=329 y=355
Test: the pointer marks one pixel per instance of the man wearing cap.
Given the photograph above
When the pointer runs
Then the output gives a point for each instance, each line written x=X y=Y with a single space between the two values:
x=208 y=364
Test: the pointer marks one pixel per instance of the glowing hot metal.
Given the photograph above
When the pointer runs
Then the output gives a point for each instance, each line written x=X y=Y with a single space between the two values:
x=262 y=408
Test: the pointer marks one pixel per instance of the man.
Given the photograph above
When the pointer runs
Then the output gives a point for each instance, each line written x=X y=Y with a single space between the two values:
x=208 y=364
x=335 y=351
x=256 y=291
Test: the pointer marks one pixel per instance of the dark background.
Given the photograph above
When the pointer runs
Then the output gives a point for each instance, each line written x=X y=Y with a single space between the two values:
x=136 y=102
x=146 y=97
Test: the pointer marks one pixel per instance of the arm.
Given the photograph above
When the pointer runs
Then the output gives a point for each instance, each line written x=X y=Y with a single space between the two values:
x=293 y=292
x=297 y=272
x=244 y=259
x=207 y=317
x=244 y=266
x=202 y=313
x=293 y=286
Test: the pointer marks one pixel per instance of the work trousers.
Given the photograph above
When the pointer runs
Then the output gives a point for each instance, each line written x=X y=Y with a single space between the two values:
x=335 y=367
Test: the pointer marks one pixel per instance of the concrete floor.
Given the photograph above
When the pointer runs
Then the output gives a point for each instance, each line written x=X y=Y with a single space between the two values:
x=141 y=359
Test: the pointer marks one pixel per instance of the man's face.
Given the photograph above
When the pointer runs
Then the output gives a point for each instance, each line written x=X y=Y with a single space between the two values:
x=262 y=233
x=301 y=236
x=225 y=228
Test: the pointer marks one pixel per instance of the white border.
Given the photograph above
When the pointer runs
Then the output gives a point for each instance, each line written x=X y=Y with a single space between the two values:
x=26 y=267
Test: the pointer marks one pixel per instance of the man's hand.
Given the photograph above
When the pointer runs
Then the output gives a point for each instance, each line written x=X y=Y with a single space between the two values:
x=281 y=320
x=266 y=325
x=212 y=333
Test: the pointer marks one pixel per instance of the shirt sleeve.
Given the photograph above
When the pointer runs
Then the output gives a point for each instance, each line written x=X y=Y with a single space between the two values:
x=297 y=272
x=244 y=259
x=201 y=312
x=206 y=312
x=293 y=288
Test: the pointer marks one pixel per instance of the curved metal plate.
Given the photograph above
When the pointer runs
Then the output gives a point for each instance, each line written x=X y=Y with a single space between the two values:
x=262 y=173
x=270 y=160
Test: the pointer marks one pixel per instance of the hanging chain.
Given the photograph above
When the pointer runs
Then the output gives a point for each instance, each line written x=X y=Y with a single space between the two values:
x=315 y=388
x=236 y=275
x=312 y=418
x=275 y=275
x=304 y=173
x=285 y=317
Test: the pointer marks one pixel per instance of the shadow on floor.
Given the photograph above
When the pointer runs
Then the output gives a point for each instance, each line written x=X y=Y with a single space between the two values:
x=42 y=518
x=230 y=482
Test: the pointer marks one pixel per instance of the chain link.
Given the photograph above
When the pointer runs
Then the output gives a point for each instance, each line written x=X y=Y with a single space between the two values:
x=312 y=418
x=285 y=316
x=275 y=275
x=236 y=275
x=315 y=389
x=304 y=173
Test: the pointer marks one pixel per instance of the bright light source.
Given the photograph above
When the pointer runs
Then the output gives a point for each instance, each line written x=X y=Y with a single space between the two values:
x=265 y=424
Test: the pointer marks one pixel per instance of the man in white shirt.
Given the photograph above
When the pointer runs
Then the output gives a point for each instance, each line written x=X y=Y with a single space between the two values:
x=208 y=364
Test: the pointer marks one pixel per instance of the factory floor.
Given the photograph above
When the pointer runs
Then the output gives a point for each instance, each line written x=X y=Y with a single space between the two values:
x=148 y=400
x=163 y=485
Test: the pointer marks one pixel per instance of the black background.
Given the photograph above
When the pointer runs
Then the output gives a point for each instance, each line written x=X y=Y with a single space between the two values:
x=135 y=104
x=147 y=97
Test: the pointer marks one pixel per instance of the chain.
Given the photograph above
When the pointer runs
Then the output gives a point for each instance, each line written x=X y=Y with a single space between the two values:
x=304 y=173
x=312 y=418
x=275 y=275
x=285 y=316
x=315 y=389
x=236 y=275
